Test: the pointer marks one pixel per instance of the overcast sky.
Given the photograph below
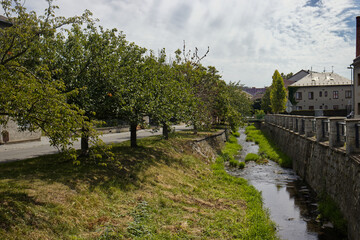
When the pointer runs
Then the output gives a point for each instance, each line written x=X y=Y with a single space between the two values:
x=248 y=39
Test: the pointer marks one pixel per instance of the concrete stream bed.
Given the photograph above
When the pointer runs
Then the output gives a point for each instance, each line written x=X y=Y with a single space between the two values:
x=290 y=201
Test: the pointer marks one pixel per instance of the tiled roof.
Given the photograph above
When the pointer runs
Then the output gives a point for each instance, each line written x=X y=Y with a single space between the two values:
x=322 y=79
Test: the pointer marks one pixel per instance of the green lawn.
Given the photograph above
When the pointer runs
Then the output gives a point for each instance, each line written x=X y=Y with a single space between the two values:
x=161 y=190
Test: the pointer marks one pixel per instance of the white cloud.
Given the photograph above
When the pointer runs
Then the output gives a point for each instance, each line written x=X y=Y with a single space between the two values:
x=248 y=39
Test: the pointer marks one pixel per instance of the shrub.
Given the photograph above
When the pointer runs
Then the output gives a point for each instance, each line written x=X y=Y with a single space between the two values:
x=241 y=165
x=252 y=157
x=236 y=134
x=259 y=114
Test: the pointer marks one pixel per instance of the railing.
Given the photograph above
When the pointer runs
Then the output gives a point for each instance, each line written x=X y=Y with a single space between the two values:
x=341 y=132
x=357 y=126
x=313 y=124
x=337 y=131
x=325 y=128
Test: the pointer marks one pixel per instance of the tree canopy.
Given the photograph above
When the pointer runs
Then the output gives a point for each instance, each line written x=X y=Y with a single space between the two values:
x=64 y=81
x=277 y=93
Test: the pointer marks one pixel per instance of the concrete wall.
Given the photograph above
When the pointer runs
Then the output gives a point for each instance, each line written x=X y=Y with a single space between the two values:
x=12 y=130
x=325 y=169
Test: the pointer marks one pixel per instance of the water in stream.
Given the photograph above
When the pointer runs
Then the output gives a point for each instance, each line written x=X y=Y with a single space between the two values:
x=292 y=204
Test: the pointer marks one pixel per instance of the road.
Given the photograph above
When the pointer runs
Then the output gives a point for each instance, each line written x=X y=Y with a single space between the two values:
x=21 y=151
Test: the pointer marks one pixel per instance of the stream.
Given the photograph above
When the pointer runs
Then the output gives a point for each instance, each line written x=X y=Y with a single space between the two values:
x=291 y=202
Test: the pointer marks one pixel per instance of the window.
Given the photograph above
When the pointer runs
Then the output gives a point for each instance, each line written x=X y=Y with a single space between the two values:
x=358 y=79
x=335 y=94
x=311 y=95
x=325 y=93
x=311 y=107
x=336 y=107
x=320 y=94
x=358 y=109
x=298 y=107
x=298 y=95
x=348 y=94
x=320 y=107
x=326 y=107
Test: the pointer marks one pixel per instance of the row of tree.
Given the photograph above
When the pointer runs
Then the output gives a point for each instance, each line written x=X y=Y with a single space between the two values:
x=64 y=80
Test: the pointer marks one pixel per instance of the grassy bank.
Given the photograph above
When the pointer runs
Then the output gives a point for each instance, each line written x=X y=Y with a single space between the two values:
x=267 y=147
x=162 y=191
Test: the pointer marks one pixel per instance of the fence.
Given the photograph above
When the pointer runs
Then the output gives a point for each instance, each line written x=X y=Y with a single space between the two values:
x=339 y=132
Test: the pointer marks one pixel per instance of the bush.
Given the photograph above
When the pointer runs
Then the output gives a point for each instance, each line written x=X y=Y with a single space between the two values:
x=259 y=114
x=252 y=157
x=241 y=165
x=236 y=134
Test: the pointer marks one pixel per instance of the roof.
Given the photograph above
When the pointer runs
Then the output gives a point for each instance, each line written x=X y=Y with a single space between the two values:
x=253 y=91
x=322 y=79
x=299 y=75
x=4 y=22
x=287 y=83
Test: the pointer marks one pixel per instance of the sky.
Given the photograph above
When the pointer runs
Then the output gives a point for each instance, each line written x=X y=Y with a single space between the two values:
x=248 y=39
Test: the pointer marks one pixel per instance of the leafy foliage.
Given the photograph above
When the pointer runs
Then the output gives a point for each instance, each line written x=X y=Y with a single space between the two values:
x=277 y=93
x=28 y=93
x=265 y=101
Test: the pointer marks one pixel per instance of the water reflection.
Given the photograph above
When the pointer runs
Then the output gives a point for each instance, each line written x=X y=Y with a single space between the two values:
x=291 y=202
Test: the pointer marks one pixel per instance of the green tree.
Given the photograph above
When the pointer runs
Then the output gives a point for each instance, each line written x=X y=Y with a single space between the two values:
x=135 y=97
x=287 y=76
x=89 y=58
x=240 y=105
x=278 y=93
x=170 y=94
x=265 y=101
x=28 y=92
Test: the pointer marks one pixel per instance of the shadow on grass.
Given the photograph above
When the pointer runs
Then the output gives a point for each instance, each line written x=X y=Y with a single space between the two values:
x=14 y=209
x=54 y=168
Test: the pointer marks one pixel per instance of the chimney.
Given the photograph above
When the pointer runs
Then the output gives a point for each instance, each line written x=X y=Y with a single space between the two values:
x=357 y=36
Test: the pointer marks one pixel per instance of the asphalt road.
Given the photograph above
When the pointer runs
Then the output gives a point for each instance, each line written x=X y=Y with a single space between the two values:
x=21 y=151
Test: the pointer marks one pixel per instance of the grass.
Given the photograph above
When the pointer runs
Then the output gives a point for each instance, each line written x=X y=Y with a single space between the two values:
x=163 y=190
x=252 y=157
x=331 y=212
x=231 y=149
x=267 y=147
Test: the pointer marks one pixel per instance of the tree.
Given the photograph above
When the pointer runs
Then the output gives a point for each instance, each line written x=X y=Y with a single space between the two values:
x=89 y=58
x=134 y=99
x=265 y=101
x=169 y=94
x=28 y=92
x=287 y=76
x=240 y=105
x=278 y=93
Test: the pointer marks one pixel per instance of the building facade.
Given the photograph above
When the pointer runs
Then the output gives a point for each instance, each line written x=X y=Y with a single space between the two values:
x=322 y=91
x=356 y=71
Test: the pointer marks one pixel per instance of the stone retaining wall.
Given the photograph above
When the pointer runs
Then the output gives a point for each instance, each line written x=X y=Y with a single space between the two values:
x=325 y=168
x=209 y=146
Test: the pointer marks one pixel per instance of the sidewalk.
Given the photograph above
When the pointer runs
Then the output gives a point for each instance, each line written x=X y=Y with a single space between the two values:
x=25 y=150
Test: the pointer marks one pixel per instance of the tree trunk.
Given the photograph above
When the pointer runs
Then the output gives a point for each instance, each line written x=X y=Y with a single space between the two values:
x=195 y=129
x=133 y=134
x=84 y=141
x=165 y=131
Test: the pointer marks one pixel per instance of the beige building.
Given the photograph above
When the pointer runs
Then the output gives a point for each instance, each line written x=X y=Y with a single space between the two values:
x=326 y=90
x=356 y=71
